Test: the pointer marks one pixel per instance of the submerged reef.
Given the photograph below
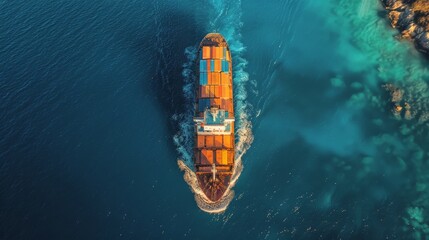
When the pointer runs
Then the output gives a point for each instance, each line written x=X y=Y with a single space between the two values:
x=411 y=18
x=392 y=100
x=410 y=102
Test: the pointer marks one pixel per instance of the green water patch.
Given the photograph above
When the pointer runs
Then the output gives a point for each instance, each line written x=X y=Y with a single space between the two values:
x=370 y=46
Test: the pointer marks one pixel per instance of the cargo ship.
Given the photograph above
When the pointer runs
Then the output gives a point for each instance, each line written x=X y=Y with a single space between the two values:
x=214 y=117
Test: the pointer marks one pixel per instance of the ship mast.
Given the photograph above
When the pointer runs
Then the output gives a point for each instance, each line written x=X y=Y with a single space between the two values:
x=214 y=171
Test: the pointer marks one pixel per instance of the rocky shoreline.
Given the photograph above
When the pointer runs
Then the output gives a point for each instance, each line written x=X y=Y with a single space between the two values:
x=411 y=18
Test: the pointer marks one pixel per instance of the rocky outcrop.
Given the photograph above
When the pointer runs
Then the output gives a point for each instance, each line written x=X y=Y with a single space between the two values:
x=422 y=42
x=397 y=100
x=411 y=18
x=411 y=102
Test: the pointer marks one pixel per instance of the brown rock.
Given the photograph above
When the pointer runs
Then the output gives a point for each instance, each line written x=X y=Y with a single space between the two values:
x=411 y=18
x=395 y=6
x=398 y=108
x=410 y=32
x=394 y=18
x=420 y=6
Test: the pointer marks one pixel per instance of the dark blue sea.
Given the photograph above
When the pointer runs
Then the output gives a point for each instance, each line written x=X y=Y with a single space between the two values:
x=96 y=113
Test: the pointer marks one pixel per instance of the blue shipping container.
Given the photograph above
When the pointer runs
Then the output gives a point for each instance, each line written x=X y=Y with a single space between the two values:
x=203 y=66
x=225 y=66
x=203 y=78
x=203 y=104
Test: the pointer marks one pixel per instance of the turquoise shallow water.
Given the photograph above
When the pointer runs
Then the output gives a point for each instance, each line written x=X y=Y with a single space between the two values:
x=95 y=114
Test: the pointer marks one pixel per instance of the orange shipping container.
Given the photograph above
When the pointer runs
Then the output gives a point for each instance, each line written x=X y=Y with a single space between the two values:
x=206 y=52
x=210 y=141
x=217 y=65
x=210 y=156
x=216 y=91
x=208 y=66
x=225 y=78
x=224 y=157
x=215 y=102
x=218 y=156
x=205 y=91
x=209 y=78
x=218 y=141
x=215 y=78
x=200 y=141
x=223 y=91
x=206 y=156
x=230 y=156
x=219 y=52
x=213 y=52
x=227 y=141
x=218 y=101
x=212 y=91
x=226 y=91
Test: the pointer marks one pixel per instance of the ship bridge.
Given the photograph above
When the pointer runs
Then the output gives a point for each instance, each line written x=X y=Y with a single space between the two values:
x=215 y=121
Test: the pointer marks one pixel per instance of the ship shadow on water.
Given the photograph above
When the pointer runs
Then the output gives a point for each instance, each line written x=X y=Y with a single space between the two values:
x=173 y=32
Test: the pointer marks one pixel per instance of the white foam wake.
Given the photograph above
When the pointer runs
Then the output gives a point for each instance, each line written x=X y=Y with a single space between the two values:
x=229 y=26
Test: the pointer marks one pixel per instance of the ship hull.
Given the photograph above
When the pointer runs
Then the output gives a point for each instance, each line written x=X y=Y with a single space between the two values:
x=214 y=117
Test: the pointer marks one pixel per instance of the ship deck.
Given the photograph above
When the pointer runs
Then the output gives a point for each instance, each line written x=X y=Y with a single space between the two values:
x=214 y=117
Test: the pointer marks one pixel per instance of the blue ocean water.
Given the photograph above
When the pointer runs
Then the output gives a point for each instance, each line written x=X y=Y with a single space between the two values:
x=95 y=103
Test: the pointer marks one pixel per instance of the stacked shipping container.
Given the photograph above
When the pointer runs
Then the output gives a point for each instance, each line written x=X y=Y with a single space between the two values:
x=215 y=90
